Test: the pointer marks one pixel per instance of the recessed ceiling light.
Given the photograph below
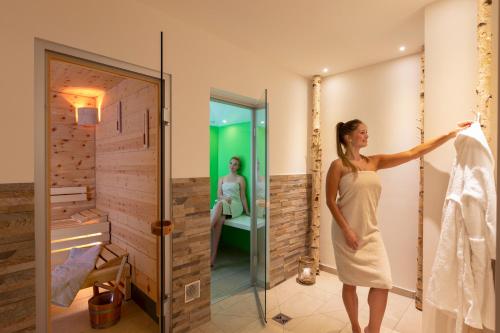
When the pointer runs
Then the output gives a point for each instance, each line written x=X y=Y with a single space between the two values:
x=402 y=48
x=325 y=70
x=224 y=121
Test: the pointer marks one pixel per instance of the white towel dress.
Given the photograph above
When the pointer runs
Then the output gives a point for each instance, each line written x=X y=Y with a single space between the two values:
x=368 y=266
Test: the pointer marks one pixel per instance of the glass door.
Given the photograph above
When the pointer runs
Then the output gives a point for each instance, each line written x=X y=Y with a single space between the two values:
x=165 y=276
x=260 y=205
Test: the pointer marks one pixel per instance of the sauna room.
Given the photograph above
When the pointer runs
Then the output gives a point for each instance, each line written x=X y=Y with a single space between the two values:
x=104 y=194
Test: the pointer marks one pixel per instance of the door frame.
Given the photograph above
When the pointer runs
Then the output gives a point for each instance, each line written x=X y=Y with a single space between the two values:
x=43 y=48
x=253 y=105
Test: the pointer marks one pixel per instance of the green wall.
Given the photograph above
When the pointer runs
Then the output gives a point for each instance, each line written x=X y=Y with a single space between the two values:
x=234 y=140
x=226 y=142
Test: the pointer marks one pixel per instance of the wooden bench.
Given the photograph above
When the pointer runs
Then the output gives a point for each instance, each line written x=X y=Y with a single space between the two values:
x=69 y=233
x=88 y=228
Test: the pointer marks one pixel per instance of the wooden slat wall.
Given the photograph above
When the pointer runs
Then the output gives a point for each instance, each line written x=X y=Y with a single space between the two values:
x=72 y=152
x=289 y=224
x=191 y=251
x=127 y=176
x=17 y=258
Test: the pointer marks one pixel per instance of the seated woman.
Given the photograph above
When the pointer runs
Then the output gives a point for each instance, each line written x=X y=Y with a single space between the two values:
x=230 y=203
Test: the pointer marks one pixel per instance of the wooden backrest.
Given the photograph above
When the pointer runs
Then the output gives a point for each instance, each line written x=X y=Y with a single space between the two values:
x=68 y=194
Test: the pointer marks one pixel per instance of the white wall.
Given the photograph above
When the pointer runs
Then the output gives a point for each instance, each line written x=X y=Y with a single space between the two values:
x=129 y=31
x=451 y=79
x=386 y=98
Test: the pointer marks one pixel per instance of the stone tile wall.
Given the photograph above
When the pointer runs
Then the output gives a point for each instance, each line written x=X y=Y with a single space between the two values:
x=191 y=251
x=290 y=199
x=17 y=258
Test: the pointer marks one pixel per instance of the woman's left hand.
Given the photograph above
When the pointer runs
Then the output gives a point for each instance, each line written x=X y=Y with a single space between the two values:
x=461 y=126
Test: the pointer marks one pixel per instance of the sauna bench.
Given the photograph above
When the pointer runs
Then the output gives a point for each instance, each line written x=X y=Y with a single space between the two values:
x=68 y=233
x=243 y=222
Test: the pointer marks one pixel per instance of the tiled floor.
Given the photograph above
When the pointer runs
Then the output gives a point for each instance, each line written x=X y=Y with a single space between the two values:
x=75 y=319
x=231 y=273
x=314 y=309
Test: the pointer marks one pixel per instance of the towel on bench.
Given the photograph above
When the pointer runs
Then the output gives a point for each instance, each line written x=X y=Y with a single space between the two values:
x=70 y=276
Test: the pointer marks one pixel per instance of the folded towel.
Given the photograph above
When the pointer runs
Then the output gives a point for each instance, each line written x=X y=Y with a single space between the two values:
x=70 y=276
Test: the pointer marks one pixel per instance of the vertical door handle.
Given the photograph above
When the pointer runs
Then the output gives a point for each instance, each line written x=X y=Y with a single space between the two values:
x=119 y=117
x=145 y=135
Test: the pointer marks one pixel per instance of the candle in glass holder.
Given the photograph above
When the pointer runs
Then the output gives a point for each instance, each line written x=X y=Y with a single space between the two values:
x=306 y=272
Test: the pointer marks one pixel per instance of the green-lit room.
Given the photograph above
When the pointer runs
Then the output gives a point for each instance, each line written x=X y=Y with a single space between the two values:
x=234 y=154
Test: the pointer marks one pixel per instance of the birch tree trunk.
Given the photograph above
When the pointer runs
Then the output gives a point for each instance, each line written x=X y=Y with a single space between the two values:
x=316 y=172
x=420 y=240
x=484 y=47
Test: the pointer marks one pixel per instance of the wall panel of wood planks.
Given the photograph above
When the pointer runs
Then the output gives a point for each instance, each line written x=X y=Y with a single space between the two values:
x=127 y=176
x=72 y=152
x=290 y=198
x=17 y=258
x=191 y=251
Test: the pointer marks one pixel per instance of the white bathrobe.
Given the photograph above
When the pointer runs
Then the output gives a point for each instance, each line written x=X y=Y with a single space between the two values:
x=461 y=281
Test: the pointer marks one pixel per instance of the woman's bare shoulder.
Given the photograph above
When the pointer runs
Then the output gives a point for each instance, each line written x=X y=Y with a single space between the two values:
x=336 y=165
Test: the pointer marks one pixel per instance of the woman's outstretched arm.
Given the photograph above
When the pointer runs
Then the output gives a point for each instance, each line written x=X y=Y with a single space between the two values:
x=384 y=161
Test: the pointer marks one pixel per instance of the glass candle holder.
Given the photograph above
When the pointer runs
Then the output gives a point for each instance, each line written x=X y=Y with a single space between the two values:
x=306 y=273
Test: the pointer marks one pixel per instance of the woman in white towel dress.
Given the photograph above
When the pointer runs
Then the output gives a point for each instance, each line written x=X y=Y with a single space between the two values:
x=231 y=201
x=359 y=250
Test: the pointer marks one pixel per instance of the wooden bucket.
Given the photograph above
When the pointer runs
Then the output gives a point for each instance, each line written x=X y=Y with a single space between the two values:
x=105 y=308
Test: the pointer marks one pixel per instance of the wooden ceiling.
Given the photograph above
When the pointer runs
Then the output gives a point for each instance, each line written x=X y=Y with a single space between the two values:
x=72 y=78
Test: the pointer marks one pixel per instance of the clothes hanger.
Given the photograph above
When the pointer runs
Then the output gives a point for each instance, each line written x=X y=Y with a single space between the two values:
x=478 y=119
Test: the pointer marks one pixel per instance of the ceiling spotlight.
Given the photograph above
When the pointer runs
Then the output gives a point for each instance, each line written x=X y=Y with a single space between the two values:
x=402 y=48
x=325 y=70
x=224 y=121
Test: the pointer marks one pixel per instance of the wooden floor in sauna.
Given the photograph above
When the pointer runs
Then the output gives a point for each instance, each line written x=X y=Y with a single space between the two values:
x=75 y=319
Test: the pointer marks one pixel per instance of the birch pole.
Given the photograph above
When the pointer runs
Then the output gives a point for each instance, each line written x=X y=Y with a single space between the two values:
x=420 y=239
x=484 y=48
x=316 y=171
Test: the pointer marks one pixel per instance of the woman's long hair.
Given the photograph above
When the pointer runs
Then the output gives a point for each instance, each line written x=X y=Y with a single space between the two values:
x=344 y=129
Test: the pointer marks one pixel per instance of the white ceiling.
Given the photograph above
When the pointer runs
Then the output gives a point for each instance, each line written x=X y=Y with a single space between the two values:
x=307 y=35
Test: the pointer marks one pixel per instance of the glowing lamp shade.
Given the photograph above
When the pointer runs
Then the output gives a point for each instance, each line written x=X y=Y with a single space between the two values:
x=87 y=116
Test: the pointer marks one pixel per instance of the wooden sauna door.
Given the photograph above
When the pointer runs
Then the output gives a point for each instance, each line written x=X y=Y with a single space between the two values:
x=117 y=160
